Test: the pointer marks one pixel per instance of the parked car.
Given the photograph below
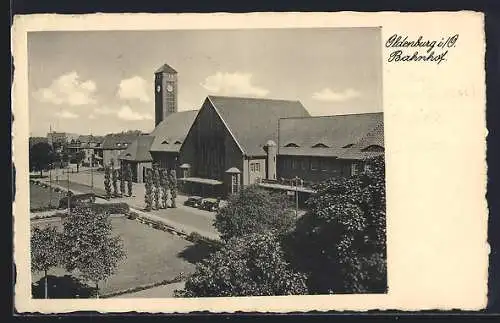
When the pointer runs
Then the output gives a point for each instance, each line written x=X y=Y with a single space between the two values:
x=193 y=201
x=209 y=204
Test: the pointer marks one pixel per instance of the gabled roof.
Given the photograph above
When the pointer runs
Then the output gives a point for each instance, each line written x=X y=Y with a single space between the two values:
x=165 y=68
x=171 y=132
x=254 y=121
x=118 y=140
x=138 y=150
x=355 y=131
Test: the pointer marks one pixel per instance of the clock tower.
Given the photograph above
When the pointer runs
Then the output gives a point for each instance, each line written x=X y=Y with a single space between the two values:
x=165 y=92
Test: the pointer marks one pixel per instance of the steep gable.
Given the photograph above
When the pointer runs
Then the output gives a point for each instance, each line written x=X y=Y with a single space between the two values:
x=254 y=121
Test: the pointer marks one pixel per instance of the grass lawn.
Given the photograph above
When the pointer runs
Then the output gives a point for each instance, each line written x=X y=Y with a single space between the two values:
x=152 y=256
x=40 y=196
x=81 y=187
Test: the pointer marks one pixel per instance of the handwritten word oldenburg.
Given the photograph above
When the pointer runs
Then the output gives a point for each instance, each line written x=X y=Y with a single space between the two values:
x=433 y=50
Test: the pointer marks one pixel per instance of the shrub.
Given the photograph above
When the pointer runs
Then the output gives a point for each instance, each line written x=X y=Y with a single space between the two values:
x=132 y=215
x=111 y=208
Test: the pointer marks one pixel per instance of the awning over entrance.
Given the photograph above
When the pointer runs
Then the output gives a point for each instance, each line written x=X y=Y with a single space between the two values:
x=287 y=187
x=200 y=180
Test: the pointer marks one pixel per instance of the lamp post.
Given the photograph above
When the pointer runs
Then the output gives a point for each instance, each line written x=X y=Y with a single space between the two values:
x=50 y=184
x=92 y=174
x=296 y=196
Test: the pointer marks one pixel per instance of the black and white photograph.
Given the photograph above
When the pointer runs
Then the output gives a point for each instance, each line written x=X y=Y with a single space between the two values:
x=206 y=163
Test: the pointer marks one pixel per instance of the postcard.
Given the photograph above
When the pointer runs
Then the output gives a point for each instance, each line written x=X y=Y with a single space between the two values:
x=257 y=162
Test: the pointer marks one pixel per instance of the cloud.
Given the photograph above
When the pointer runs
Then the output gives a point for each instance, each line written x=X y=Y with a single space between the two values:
x=92 y=116
x=126 y=113
x=66 y=115
x=134 y=88
x=331 y=96
x=104 y=110
x=233 y=84
x=68 y=89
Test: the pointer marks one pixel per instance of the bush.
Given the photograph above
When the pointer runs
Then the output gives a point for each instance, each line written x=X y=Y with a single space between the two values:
x=43 y=208
x=132 y=215
x=111 y=208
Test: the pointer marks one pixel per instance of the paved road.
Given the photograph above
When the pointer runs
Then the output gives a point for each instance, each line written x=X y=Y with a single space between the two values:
x=163 y=291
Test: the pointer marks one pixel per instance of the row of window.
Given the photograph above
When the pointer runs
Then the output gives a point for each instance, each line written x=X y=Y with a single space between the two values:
x=313 y=164
x=318 y=145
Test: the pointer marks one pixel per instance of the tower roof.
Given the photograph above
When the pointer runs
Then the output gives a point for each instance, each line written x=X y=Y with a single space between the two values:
x=165 y=68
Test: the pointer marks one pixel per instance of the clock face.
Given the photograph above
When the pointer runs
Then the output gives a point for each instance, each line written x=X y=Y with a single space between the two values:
x=158 y=88
x=169 y=88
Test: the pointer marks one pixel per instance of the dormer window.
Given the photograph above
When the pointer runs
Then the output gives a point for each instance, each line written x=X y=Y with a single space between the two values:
x=375 y=148
x=177 y=142
x=119 y=145
x=292 y=145
x=164 y=142
x=128 y=155
x=320 y=145
x=348 y=146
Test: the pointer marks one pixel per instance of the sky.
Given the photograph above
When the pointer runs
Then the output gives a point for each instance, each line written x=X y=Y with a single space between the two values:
x=102 y=81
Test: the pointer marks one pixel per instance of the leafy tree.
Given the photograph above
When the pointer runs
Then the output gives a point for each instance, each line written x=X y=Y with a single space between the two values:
x=41 y=157
x=254 y=210
x=164 y=187
x=340 y=243
x=246 y=266
x=129 y=180
x=172 y=180
x=79 y=157
x=45 y=252
x=157 y=187
x=107 y=181
x=114 y=179
x=90 y=246
x=148 y=196
x=122 y=180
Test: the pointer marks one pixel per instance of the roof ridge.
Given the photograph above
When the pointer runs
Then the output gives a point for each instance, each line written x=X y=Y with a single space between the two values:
x=251 y=98
x=333 y=115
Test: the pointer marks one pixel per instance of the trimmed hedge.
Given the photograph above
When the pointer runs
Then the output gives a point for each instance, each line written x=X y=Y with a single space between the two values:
x=177 y=279
x=111 y=208
x=43 y=208
x=195 y=237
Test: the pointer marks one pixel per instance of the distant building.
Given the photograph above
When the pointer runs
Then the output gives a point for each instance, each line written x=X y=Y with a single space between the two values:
x=89 y=143
x=55 y=138
x=112 y=145
x=138 y=157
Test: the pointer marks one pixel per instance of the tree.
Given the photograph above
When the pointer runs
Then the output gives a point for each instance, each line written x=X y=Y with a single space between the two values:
x=129 y=179
x=41 y=156
x=114 y=179
x=172 y=180
x=45 y=252
x=164 y=187
x=340 y=243
x=245 y=266
x=148 y=195
x=107 y=181
x=90 y=246
x=157 y=187
x=79 y=157
x=254 y=210
x=122 y=180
